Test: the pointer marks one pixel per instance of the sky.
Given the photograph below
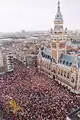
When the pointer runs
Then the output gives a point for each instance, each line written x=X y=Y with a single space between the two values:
x=32 y=15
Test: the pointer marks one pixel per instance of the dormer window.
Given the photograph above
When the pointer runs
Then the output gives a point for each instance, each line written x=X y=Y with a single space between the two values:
x=47 y=56
x=60 y=61
x=64 y=62
x=70 y=64
x=67 y=63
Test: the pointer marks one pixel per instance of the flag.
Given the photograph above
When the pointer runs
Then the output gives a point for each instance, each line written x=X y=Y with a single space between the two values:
x=14 y=106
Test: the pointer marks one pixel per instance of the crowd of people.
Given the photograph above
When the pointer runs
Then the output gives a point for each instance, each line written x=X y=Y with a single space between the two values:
x=40 y=97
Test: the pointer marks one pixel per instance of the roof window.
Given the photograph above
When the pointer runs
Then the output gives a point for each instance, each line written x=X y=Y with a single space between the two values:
x=67 y=63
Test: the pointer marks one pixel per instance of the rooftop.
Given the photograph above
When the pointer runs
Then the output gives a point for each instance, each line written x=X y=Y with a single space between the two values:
x=65 y=59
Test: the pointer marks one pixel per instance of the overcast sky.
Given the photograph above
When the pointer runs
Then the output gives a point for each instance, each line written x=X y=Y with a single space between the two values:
x=31 y=15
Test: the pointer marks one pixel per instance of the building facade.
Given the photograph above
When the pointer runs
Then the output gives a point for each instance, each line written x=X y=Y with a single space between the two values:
x=57 y=61
x=6 y=63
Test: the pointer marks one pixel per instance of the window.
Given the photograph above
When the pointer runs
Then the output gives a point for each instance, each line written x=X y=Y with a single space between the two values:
x=61 y=72
x=45 y=56
x=76 y=77
x=60 y=61
x=72 y=80
x=70 y=64
x=64 y=62
x=67 y=75
x=51 y=59
x=64 y=74
x=42 y=53
x=67 y=63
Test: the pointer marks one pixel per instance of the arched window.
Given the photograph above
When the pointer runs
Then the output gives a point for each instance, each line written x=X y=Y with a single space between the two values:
x=64 y=74
x=61 y=72
x=72 y=80
x=67 y=75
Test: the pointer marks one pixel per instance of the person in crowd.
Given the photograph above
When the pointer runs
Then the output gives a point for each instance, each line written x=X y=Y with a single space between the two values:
x=40 y=97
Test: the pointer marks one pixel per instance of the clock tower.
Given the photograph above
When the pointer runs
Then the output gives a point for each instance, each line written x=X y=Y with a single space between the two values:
x=58 y=46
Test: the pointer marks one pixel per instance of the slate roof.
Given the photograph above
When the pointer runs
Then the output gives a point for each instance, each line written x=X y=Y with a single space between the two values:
x=67 y=59
x=47 y=51
x=47 y=54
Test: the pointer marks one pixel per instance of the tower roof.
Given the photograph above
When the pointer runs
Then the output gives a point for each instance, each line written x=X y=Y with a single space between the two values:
x=58 y=17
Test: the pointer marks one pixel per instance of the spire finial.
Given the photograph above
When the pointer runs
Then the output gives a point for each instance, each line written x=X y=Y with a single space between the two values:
x=58 y=2
x=58 y=5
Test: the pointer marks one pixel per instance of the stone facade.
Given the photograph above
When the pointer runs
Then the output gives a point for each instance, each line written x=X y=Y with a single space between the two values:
x=67 y=76
x=6 y=63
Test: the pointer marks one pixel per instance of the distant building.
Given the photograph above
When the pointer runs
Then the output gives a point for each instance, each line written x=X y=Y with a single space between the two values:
x=6 y=63
x=9 y=63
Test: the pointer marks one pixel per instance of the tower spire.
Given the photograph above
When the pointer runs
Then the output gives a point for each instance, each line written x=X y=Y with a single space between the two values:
x=58 y=17
x=58 y=23
x=58 y=6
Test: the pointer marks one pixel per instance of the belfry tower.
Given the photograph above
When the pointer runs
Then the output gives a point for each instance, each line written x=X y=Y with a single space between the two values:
x=59 y=31
x=59 y=36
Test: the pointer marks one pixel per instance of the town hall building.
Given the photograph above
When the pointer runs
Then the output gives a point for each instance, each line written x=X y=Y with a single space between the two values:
x=58 y=61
